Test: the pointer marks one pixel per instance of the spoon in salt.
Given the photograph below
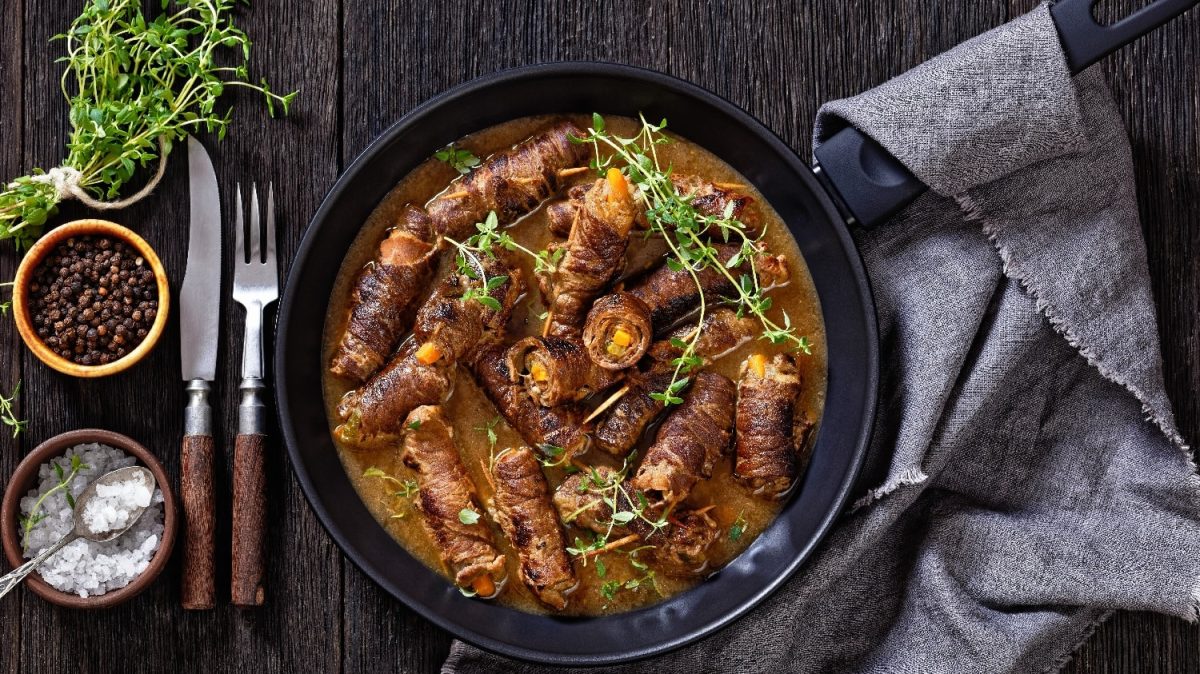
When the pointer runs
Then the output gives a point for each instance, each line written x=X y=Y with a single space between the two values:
x=82 y=528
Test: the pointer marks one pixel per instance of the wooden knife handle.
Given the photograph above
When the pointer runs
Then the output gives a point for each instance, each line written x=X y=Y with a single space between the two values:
x=196 y=487
x=249 y=520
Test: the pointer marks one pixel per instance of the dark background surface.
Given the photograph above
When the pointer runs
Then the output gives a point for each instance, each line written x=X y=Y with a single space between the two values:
x=360 y=66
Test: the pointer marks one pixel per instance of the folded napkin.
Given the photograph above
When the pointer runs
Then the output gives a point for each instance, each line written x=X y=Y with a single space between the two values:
x=1037 y=479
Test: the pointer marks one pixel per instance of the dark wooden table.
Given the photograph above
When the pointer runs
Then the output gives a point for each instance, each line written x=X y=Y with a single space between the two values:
x=360 y=65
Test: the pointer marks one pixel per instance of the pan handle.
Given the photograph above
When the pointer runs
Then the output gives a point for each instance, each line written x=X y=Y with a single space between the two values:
x=1085 y=41
x=870 y=185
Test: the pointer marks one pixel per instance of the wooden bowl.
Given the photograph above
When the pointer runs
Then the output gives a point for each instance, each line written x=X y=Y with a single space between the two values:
x=25 y=479
x=22 y=311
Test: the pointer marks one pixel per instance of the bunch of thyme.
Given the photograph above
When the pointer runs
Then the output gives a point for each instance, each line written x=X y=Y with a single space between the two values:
x=135 y=85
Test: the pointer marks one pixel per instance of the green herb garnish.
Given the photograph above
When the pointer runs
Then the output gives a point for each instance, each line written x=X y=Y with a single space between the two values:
x=405 y=489
x=136 y=85
x=610 y=589
x=624 y=508
x=468 y=516
x=462 y=160
x=738 y=527
x=28 y=522
x=690 y=236
x=8 y=413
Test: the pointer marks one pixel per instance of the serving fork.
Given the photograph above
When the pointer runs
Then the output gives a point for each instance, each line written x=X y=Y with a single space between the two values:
x=255 y=285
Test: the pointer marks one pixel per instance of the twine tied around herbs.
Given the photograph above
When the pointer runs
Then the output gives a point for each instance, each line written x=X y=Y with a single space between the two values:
x=66 y=182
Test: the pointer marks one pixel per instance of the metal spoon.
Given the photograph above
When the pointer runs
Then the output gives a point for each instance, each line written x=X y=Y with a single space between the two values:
x=14 y=577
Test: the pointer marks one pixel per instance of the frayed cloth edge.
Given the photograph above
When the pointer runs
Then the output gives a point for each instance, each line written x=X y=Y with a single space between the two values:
x=909 y=476
x=1088 y=632
x=973 y=213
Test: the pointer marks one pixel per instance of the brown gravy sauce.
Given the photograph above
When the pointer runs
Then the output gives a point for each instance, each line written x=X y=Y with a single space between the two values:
x=470 y=410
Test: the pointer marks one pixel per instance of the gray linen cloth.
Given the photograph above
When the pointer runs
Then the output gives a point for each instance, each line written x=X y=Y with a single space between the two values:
x=1037 y=479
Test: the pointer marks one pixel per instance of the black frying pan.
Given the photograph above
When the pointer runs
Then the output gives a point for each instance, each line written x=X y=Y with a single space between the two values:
x=858 y=182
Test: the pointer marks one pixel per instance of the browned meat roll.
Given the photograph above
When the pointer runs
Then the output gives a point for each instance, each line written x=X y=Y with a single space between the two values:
x=713 y=198
x=680 y=548
x=372 y=414
x=445 y=491
x=511 y=183
x=450 y=329
x=721 y=331
x=689 y=442
x=557 y=371
x=560 y=214
x=447 y=328
x=381 y=302
x=771 y=431
x=708 y=198
x=670 y=295
x=618 y=331
x=594 y=254
x=541 y=427
x=619 y=427
x=579 y=501
x=526 y=515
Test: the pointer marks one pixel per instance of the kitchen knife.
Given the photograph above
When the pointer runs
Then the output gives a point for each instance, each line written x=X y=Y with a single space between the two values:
x=199 y=310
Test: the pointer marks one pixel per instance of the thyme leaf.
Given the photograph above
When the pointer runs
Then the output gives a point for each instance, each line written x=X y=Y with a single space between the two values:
x=461 y=160
x=738 y=527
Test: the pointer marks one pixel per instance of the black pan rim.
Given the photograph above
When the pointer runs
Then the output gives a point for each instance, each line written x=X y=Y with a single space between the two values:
x=869 y=371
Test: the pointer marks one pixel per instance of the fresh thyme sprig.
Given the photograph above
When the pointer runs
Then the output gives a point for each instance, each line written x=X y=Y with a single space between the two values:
x=5 y=306
x=484 y=242
x=404 y=489
x=611 y=588
x=461 y=160
x=689 y=235
x=489 y=430
x=135 y=85
x=28 y=522
x=622 y=506
x=8 y=413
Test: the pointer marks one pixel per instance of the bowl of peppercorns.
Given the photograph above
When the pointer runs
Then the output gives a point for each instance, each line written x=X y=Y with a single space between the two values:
x=90 y=298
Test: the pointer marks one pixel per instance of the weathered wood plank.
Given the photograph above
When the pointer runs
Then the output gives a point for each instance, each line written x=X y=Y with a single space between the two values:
x=12 y=124
x=299 y=629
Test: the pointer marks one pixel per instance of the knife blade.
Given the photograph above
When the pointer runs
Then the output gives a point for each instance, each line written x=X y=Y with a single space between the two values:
x=200 y=296
x=200 y=311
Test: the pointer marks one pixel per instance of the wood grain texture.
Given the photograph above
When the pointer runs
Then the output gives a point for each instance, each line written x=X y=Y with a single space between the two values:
x=198 y=582
x=12 y=124
x=360 y=66
x=249 y=521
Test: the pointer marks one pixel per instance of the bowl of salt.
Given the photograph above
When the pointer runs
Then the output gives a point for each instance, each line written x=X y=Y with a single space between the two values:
x=38 y=510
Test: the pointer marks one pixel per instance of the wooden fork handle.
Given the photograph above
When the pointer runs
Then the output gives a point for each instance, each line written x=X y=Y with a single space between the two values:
x=249 y=498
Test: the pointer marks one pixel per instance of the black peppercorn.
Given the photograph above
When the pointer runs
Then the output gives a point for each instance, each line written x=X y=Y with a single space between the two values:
x=92 y=300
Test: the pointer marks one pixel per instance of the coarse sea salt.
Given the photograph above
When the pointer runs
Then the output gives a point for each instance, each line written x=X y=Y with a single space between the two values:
x=84 y=567
x=113 y=504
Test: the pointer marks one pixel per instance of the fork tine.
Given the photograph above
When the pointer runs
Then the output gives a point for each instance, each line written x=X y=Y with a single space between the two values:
x=239 y=228
x=270 y=233
x=255 y=227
